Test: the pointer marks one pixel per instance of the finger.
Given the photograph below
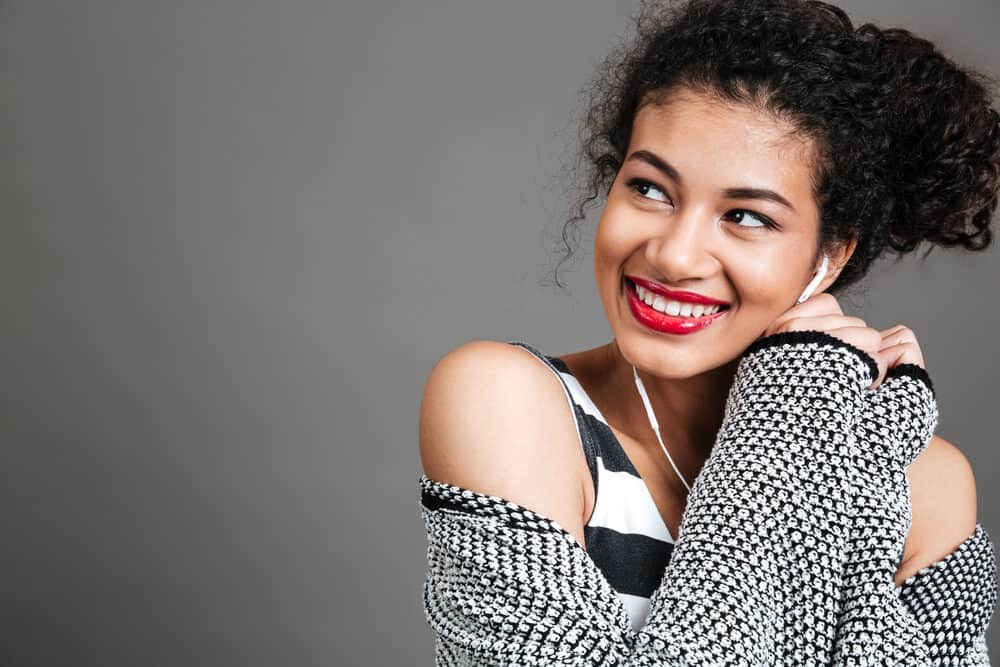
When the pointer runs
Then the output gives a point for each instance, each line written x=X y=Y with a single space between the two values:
x=860 y=336
x=867 y=340
x=816 y=305
x=899 y=335
x=818 y=322
x=884 y=364
x=892 y=329
x=906 y=352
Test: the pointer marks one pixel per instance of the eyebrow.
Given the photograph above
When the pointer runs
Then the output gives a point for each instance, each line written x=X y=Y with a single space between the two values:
x=733 y=193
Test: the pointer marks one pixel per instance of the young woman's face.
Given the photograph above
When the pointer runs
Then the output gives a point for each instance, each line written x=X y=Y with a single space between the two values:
x=687 y=211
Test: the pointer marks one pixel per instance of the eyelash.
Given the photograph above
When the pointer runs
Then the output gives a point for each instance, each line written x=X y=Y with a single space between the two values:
x=636 y=183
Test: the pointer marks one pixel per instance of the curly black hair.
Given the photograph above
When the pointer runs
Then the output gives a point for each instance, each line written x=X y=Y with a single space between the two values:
x=907 y=142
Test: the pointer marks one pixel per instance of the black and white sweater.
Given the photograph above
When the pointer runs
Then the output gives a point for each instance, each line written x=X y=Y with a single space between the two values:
x=785 y=555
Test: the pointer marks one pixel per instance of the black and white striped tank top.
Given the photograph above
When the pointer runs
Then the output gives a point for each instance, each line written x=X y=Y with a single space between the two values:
x=625 y=536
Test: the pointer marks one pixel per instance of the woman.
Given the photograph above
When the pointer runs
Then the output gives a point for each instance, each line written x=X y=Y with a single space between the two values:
x=755 y=159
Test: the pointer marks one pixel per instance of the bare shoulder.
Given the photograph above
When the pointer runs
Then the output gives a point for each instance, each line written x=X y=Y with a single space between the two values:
x=943 y=498
x=495 y=419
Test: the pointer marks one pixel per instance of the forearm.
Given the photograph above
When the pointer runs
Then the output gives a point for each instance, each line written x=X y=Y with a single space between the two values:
x=755 y=575
x=937 y=616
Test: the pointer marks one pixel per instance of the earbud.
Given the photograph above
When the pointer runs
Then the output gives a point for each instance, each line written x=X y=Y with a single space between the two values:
x=815 y=281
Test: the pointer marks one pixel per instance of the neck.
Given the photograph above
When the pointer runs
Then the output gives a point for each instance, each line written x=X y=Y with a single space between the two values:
x=689 y=410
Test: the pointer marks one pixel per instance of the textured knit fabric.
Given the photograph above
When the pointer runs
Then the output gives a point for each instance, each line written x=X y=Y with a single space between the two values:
x=769 y=566
x=625 y=534
x=882 y=521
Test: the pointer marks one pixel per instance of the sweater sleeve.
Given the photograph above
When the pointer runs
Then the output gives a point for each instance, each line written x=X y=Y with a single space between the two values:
x=939 y=615
x=766 y=527
x=953 y=599
x=755 y=574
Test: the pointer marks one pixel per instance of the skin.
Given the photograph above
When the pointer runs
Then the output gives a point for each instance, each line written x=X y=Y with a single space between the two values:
x=684 y=234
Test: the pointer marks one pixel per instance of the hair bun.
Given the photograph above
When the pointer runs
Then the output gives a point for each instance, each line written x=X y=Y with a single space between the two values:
x=944 y=140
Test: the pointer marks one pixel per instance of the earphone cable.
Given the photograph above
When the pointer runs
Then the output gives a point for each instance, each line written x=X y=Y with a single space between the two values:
x=656 y=426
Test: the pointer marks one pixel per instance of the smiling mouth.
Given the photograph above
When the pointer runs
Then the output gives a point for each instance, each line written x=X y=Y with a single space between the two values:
x=673 y=307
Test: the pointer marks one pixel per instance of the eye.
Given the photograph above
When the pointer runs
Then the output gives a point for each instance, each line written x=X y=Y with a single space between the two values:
x=643 y=187
x=765 y=223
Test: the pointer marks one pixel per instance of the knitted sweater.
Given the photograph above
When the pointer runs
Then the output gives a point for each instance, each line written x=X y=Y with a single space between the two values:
x=785 y=555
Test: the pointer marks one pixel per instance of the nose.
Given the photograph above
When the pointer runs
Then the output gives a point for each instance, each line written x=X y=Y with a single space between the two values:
x=682 y=250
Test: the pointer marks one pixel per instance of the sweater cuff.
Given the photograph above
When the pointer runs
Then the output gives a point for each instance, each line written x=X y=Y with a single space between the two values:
x=821 y=338
x=913 y=371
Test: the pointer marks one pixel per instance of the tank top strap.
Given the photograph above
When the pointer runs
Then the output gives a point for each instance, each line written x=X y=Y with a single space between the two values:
x=588 y=439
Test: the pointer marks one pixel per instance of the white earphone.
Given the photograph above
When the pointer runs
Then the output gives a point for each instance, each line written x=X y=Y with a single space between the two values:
x=815 y=281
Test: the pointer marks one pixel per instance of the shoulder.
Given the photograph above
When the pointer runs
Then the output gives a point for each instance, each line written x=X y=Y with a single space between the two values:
x=943 y=500
x=495 y=419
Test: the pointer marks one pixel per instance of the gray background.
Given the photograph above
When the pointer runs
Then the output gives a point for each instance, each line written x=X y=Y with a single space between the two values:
x=236 y=238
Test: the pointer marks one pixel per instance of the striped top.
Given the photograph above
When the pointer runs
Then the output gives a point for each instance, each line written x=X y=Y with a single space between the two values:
x=625 y=535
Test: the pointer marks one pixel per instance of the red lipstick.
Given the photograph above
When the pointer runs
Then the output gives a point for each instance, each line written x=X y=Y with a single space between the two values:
x=676 y=295
x=654 y=319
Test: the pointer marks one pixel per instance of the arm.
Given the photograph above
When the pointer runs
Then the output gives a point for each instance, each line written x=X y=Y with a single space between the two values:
x=765 y=531
x=951 y=552
x=934 y=618
x=943 y=504
x=756 y=568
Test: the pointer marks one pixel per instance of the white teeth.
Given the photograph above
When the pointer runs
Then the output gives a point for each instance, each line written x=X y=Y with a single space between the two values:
x=684 y=309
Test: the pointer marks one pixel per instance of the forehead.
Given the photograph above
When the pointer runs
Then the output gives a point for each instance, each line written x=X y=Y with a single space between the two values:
x=725 y=145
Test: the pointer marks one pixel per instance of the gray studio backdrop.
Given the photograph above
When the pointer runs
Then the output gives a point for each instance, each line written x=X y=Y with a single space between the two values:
x=237 y=235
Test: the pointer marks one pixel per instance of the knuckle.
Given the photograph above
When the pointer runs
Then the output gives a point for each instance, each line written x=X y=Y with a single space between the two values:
x=831 y=301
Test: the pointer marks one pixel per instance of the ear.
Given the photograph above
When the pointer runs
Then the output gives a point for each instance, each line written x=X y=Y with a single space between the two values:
x=839 y=257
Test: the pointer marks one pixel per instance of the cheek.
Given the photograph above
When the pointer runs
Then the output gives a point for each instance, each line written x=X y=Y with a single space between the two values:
x=617 y=236
x=767 y=283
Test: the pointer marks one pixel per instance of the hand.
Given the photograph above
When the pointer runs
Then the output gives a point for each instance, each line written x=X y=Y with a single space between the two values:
x=899 y=346
x=897 y=423
x=822 y=312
